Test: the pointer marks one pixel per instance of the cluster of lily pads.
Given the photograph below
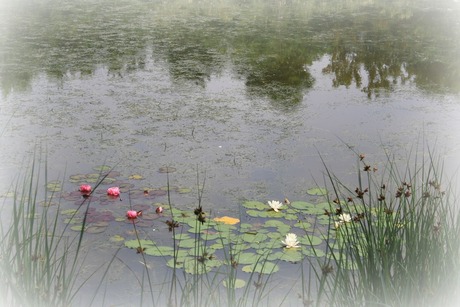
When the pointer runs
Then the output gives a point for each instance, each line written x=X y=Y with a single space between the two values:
x=270 y=232
x=110 y=201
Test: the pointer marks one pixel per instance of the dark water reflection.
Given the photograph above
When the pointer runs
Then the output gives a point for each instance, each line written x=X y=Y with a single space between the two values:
x=266 y=79
x=270 y=44
x=249 y=91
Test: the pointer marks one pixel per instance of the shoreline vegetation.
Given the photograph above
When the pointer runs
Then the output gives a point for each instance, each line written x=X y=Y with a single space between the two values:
x=392 y=239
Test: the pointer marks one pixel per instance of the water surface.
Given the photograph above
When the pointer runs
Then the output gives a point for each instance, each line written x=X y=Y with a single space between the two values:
x=246 y=93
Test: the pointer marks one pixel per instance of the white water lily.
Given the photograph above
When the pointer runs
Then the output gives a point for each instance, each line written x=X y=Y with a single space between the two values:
x=291 y=241
x=345 y=218
x=275 y=205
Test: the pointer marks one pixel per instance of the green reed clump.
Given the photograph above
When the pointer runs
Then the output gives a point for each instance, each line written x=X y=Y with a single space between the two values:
x=396 y=238
x=39 y=261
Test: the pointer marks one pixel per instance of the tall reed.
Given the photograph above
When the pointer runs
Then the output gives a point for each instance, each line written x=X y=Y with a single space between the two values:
x=396 y=237
x=39 y=260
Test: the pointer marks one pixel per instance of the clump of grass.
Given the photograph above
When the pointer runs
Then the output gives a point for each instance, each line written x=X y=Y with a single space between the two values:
x=396 y=237
x=39 y=261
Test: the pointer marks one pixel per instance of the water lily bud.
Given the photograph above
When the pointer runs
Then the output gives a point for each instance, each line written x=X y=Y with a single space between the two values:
x=159 y=210
x=85 y=188
x=131 y=214
x=114 y=191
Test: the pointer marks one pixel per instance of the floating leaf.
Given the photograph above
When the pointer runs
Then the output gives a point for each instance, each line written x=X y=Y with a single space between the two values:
x=247 y=258
x=136 y=243
x=313 y=252
x=264 y=267
x=181 y=236
x=136 y=177
x=234 y=284
x=184 y=190
x=291 y=255
x=317 y=191
x=73 y=220
x=102 y=168
x=188 y=243
x=78 y=228
x=201 y=252
x=274 y=223
x=193 y=265
x=166 y=169
x=100 y=224
x=69 y=212
x=255 y=205
x=159 y=251
x=256 y=213
x=108 y=180
x=301 y=205
x=310 y=240
x=254 y=238
x=303 y=225
x=227 y=220
x=54 y=186
x=176 y=262
x=116 y=238
x=77 y=178
x=95 y=229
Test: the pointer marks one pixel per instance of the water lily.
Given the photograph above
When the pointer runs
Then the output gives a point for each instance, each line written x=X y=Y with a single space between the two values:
x=113 y=191
x=131 y=214
x=275 y=205
x=345 y=218
x=291 y=241
x=85 y=189
x=159 y=210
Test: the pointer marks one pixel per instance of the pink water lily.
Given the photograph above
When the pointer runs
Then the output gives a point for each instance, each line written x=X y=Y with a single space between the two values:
x=113 y=191
x=131 y=214
x=159 y=210
x=85 y=189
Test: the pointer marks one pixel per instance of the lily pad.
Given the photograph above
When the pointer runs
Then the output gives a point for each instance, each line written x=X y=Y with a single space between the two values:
x=264 y=267
x=77 y=178
x=301 y=205
x=116 y=238
x=108 y=180
x=254 y=238
x=54 y=186
x=310 y=240
x=78 y=228
x=234 y=284
x=102 y=168
x=136 y=243
x=313 y=252
x=69 y=212
x=317 y=191
x=136 y=177
x=184 y=190
x=247 y=258
x=166 y=169
x=304 y=225
x=256 y=213
x=291 y=255
x=159 y=251
x=255 y=205
x=95 y=229
x=188 y=243
x=192 y=265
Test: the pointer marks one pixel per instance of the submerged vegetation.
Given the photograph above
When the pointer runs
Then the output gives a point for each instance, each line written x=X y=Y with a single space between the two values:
x=391 y=240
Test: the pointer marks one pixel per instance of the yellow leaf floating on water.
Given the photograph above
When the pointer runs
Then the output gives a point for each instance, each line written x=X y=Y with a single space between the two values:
x=136 y=177
x=227 y=220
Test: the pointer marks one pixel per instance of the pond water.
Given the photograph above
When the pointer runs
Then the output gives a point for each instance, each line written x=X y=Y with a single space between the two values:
x=247 y=94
